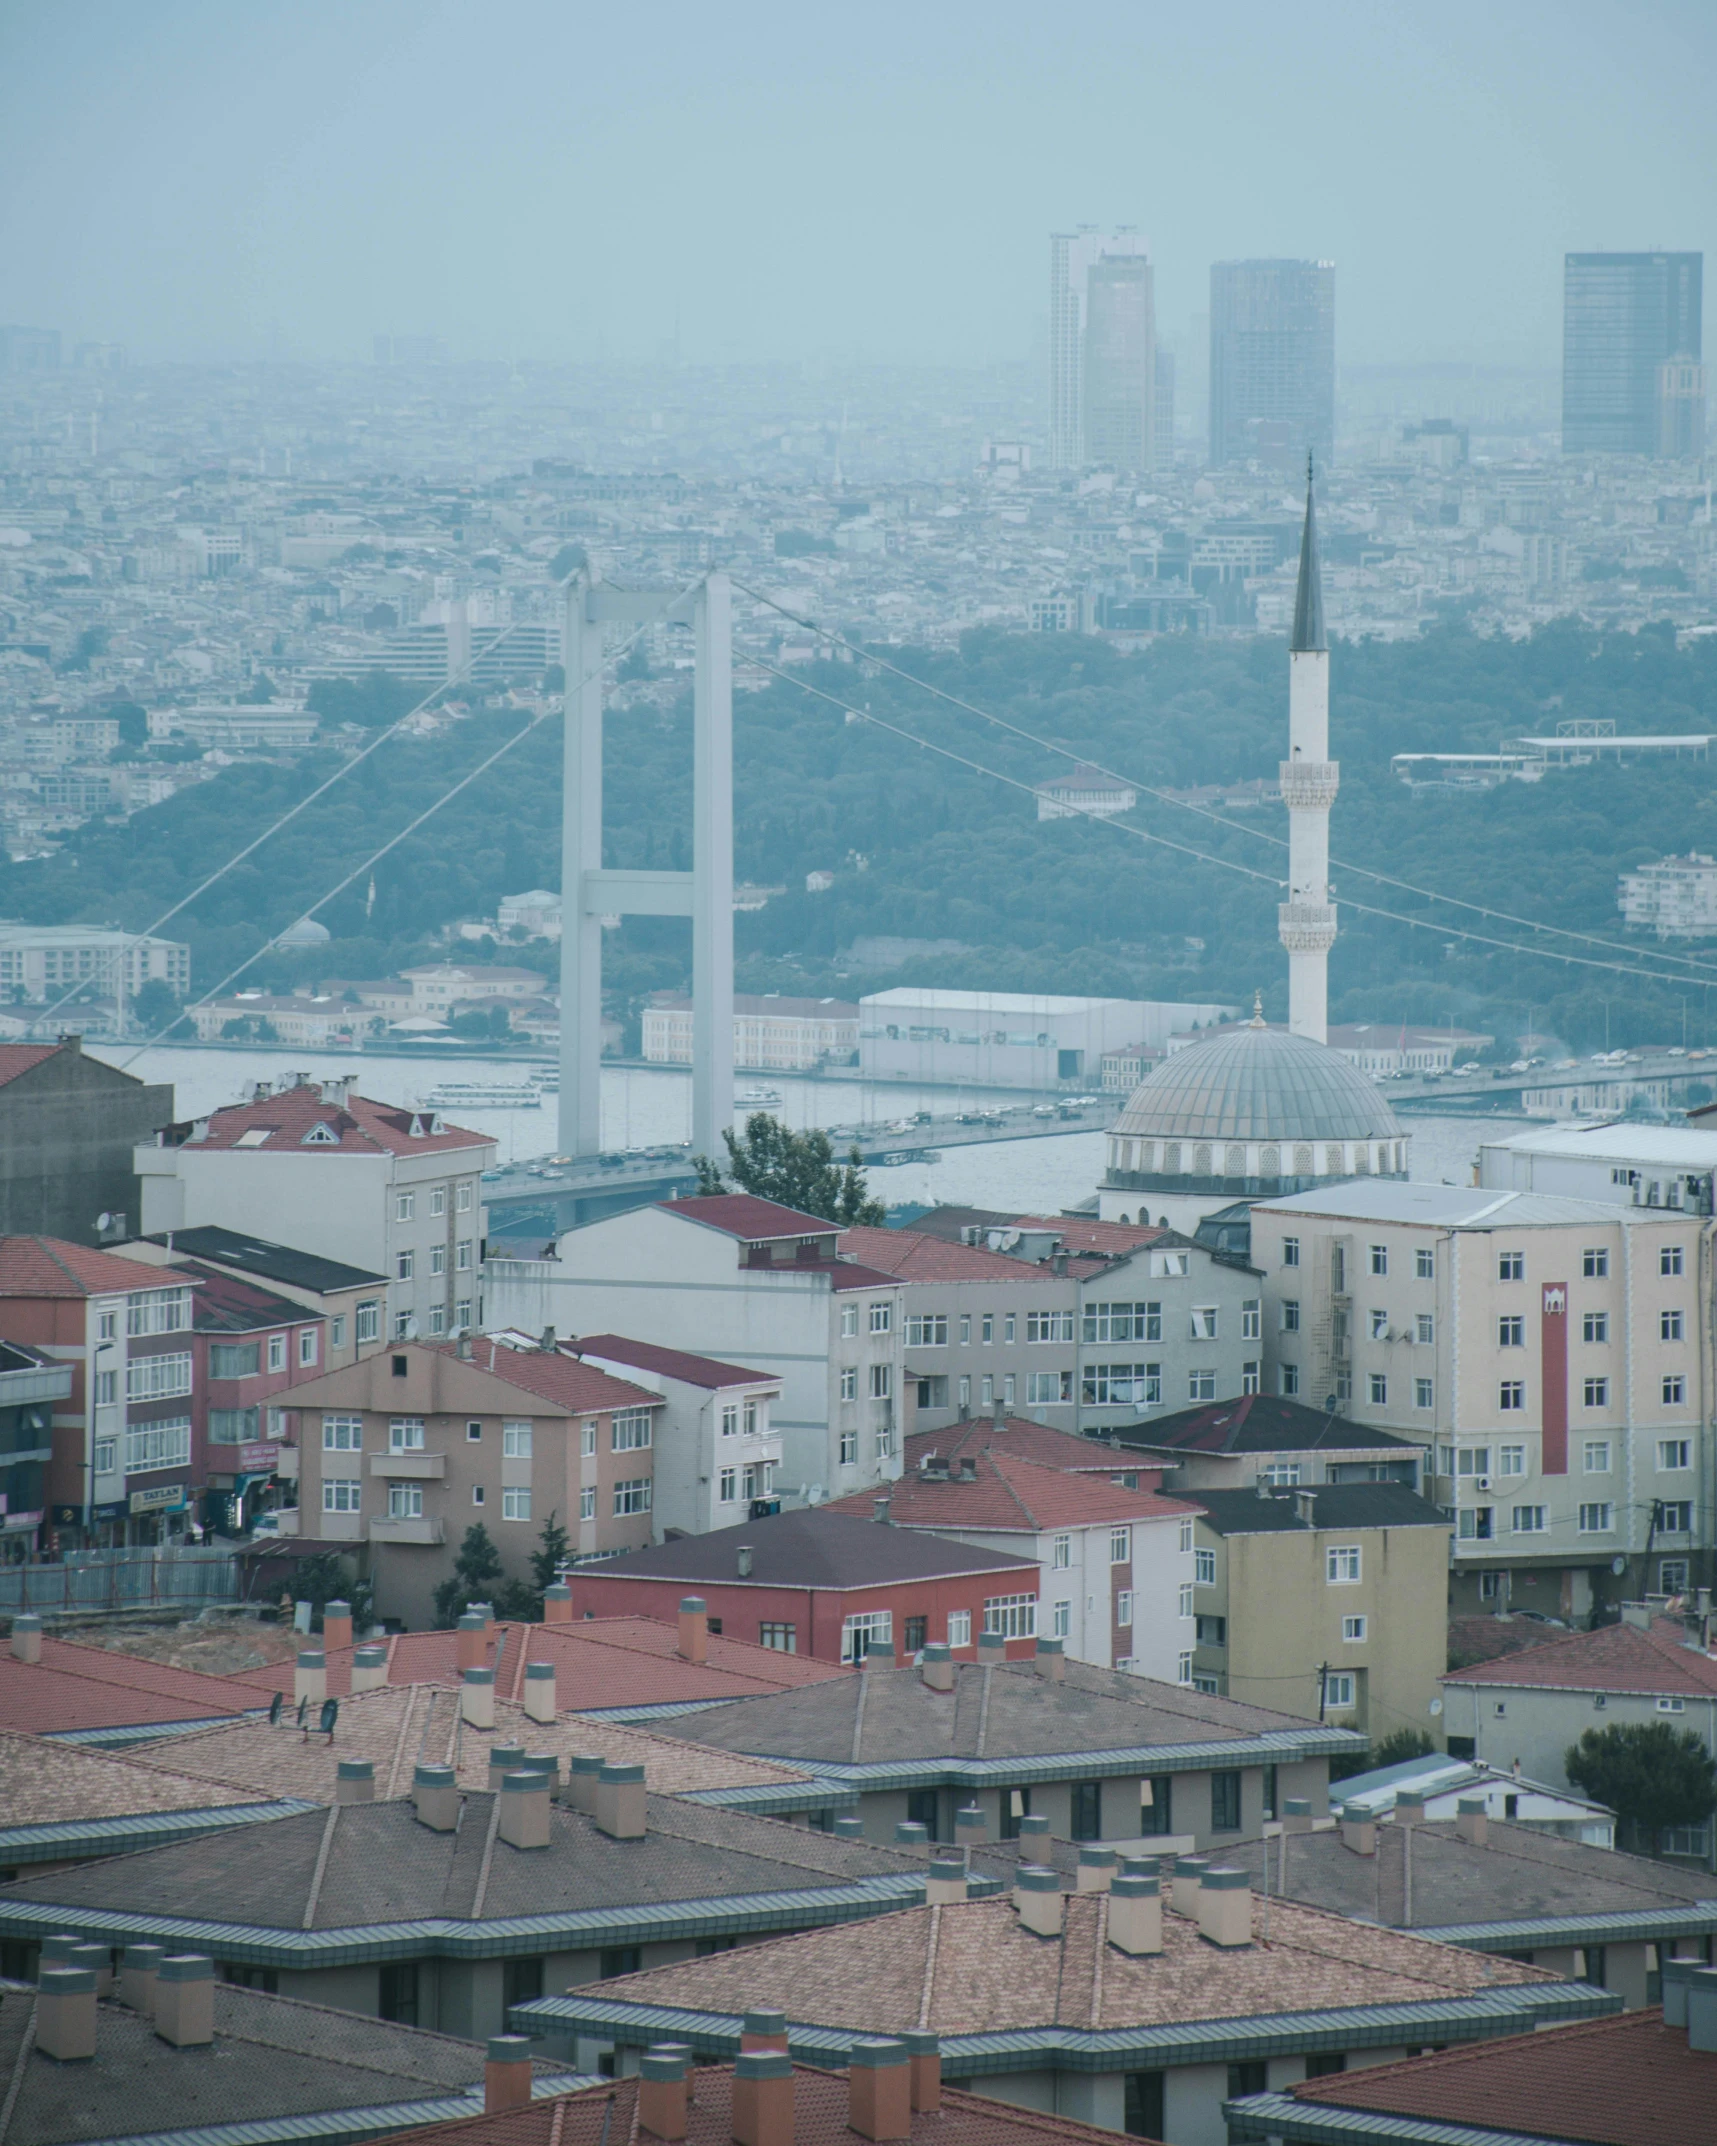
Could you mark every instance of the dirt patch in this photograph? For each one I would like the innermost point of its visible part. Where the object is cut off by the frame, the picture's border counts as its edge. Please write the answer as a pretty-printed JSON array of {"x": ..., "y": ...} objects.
[{"x": 216, "y": 1649}]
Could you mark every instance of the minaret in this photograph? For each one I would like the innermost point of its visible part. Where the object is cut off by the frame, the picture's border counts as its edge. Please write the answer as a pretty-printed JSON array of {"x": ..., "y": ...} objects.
[{"x": 1306, "y": 920}]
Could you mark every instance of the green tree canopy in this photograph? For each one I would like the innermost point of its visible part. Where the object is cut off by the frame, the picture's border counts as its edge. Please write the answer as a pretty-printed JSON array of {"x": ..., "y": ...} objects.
[
  {"x": 324, "y": 1579},
  {"x": 1394, "y": 1749},
  {"x": 1650, "y": 1775},
  {"x": 475, "y": 1577},
  {"x": 797, "y": 1169}
]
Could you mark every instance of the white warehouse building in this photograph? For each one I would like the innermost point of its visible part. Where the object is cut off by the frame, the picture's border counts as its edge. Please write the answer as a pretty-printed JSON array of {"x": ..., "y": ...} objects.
[{"x": 1010, "y": 1039}]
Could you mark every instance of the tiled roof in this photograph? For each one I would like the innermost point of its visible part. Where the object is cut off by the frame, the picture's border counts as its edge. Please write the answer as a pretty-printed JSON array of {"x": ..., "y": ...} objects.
[
  {"x": 741, "y": 1214},
  {"x": 359, "y": 1127},
  {"x": 911, "y": 1256},
  {"x": 50, "y": 1267},
  {"x": 16, "y": 1058},
  {"x": 1259, "y": 1423},
  {"x": 1080, "y": 1234},
  {"x": 609, "y": 2113},
  {"x": 74, "y": 1687},
  {"x": 1625, "y": 2081},
  {"x": 812, "y": 1547},
  {"x": 43, "y": 1784},
  {"x": 1020, "y": 1436},
  {"x": 226, "y": 1305},
  {"x": 1334, "y": 1505},
  {"x": 1008, "y": 1493},
  {"x": 670, "y": 1363},
  {"x": 1616, "y": 1658},
  {"x": 552, "y": 1377}
]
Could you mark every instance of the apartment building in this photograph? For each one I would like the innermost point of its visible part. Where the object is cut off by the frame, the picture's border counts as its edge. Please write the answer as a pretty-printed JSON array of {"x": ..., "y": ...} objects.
[
  {"x": 1263, "y": 1440},
  {"x": 1548, "y": 1355},
  {"x": 39, "y": 961},
  {"x": 371, "y": 1185},
  {"x": 1167, "y": 1326},
  {"x": 442, "y": 985},
  {"x": 403, "y": 1451},
  {"x": 747, "y": 1281},
  {"x": 249, "y": 1348},
  {"x": 771, "y": 1034},
  {"x": 68, "y": 1124},
  {"x": 31, "y": 1382}
]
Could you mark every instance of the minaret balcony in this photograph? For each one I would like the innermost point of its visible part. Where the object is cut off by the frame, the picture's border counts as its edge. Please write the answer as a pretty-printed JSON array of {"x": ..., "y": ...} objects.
[
  {"x": 1310, "y": 785},
  {"x": 1306, "y": 927}
]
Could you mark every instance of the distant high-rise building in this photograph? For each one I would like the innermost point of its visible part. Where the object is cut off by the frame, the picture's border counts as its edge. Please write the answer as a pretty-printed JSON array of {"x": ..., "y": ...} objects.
[
  {"x": 1272, "y": 360},
  {"x": 1072, "y": 255},
  {"x": 1632, "y": 383},
  {"x": 1164, "y": 397},
  {"x": 29, "y": 350},
  {"x": 1120, "y": 363}
]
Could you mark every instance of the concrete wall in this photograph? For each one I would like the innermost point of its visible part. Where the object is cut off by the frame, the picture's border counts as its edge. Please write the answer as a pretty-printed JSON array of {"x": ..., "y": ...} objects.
[
  {"x": 1536, "y": 1727},
  {"x": 68, "y": 1127}
]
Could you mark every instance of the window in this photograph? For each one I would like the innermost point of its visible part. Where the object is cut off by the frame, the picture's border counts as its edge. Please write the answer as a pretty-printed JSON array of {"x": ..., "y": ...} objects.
[
  {"x": 1675, "y": 1516},
  {"x": 631, "y": 1430},
  {"x": 1511, "y": 1460},
  {"x": 1290, "y": 1315},
  {"x": 1183, "y": 1669},
  {"x": 337, "y": 1331},
  {"x": 587, "y": 1502},
  {"x": 1010, "y": 1328},
  {"x": 438, "y": 1259},
  {"x": 1424, "y": 1393},
  {"x": 781, "y": 1638},
  {"x": 1048, "y": 1326},
  {"x": 1529, "y": 1520},
  {"x": 405, "y": 1434},
  {"x": 168, "y": 1311},
  {"x": 473, "y": 1432},
  {"x": 438, "y": 1200},
  {"x": 342, "y": 1497},
  {"x": 1674, "y": 1389},
  {"x": 277, "y": 1352},
  {"x": 1013, "y": 1616},
  {"x": 405, "y": 1266},
  {"x": 1595, "y": 1262},
  {"x": 1186, "y": 1609},
  {"x": 1669, "y": 1259},
  {"x": 619, "y": 1960},
  {"x": 1595, "y": 1326},
  {"x": 1511, "y": 1333},
  {"x": 1670, "y": 1703},
  {"x": 849, "y": 1382},
  {"x": 1425, "y": 1263},
  {"x": 1511, "y": 1394},
  {"x": 966, "y": 1329},
  {"x": 1123, "y": 1322},
  {"x": 1124, "y": 1606},
  {"x": 987, "y": 1329},
  {"x": 881, "y": 1381},
  {"x": 306, "y": 1347},
  {"x": 1201, "y": 1385},
  {"x": 1249, "y": 1376},
  {"x": 926, "y": 1330},
  {"x": 157, "y": 1378},
  {"x": 462, "y": 1199},
  {"x": 107, "y": 1326},
  {"x": 368, "y": 1322},
  {"x": 1281, "y": 1474},
  {"x": 858, "y": 1632},
  {"x": 1674, "y": 1453},
  {"x": 1424, "y": 1329},
  {"x": 1596, "y": 1459},
  {"x": 1289, "y": 1375},
  {"x": 1339, "y": 1686},
  {"x": 515, "y": 1502},
  {"x": 849, "y": 1448},
  {"x": 106, "y": 1455},
  {"x": 1669, "y": 1326},
  {"x": 1290, "y": 1251},
  {"x": 726, "y": 1482},
  {"x": 1168, "y": 1266},
  {"x": 632, "y": 1496},
  {"x": 516, "y": 1440},
  {"x": 1212, "y": 1632},
  {"x": 404, "y": 1206},
  {"x": 1120, "y": 1546},
  {"x": 1511, "y": 1266},
  {"x": 1142, "y": 2104},
  {"x": 1341, "y": 1564},
  {"x": 1061, "y": 1553},
  {"x": 730, "y": 1420},
  {"x": 157, "y": 1445},
  {"x": 986, "y": 1391},
  {"x": 1047, "y": 1389},
  {"x": 1061, "y": 1620},
  {"x": 405, "y": 1501},
  {"x": 1672, "y": 1576},
  {"x": 1597, "y": 1519},
  {"x": 1597, "y": 1394},
  {"x": 342, "y": 1434},
  {"x": 234, "y": 1359},
  {"x": 1251, "y": 1319},
  {"x": 233, "y": 1426},
  {"x": 959, "y": 1628},
  {"x": 1353, "y": 1630},
  {"x": 587, "y": 1440},
  {"x": 462, "y": 1253},
  {"x": 1379, "y": 1259},
  {"x": 1225, "y": 1801},
  {"x": 1085, "y": 1803},
  {"x": 1204, "y": 1567},
  {"x": 1203, "y": 1327},
  {"x": 1379, "y": 1386},
  {"x": 849, "y": 1320},
  {"x": 881, "y": 1318},
  {"x": 1475, "y": 1523},
  {"x": 1122, "y": 1385},
  {"x": 478, "y": 1494}
]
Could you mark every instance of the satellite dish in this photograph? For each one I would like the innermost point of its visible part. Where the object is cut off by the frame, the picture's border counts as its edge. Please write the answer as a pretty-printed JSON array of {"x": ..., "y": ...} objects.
[
  {"x": 274, "y": 1706},
  {"x": 1435, "y": 1708},
  {"x": 330, "y": 1714},
  {"x": 1618, "y": 1565},
  {"x": 104, "y": 1221}
]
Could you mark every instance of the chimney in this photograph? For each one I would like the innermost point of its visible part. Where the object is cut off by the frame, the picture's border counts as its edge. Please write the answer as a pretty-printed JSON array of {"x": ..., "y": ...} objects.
[
  {"x": 1001, "y": 1416},
  {"x": 1702, "y": 2010},
  {"x": 582, "y": 1770},
  {"x": 1306, "y": 1507},
  {"x": 1187, "y": 1883},
  {"x": 879, "y": 1511},
  {"x": 462, "y": 1345},
  {"x": 878, "y": 1654},
  {"x": 992, "y": 1648},
  {"x": 435, "y": 1791},
  {"x": 849, "y": 1827},
  {"x": 185, "y": 2000},
  {"x": 550, "y": 1342},
  {"x": 471, "y": 1641},
  {"x": 763, "y": 2030},
  {"x": 620, "y": 1802},
  {"x": 1358, "y": 1829},
  {"x": 946, "y": 1885},
  {"x": 1472, "y": 1821},
  {"x": 504, "y": 1759},
  {"x": 971, "y": 1828},
  {"x": 485, "y": 1610},
  {"x": 310, "y": 1677},
  {"x": 99, "y": 1960},
  {"x": 924, "y": 2060},
  {"x": 369, "y": 1669},
  {"x": 912, "y": 1836},
  {"x": 744, "y": 1560},
  {"x": 662, "y": 2092},
  {"x": 1676, "y": 1976},
  {"x": 1052, "y": 1659},
  {"x": 694, "y": 1621},
  {"x": 557, "y": 1603},
  {"x": 1141, "y": 1866},
  {"x": 137, "y": 1972},
  {"x": 879, "y": 2090},
  {"x": 477, "y": 1698},
  {"x": 763, "y": 2098},
  {"x": 1136, "y": 1915},
  {"x": 1037, "y": 1896},
  {"x": 26, "y": 1639},
  {"x": 1058, "y": 1262},
  {"x": 507, "y": 2073},
  {"x": 539, "y": 1691},
  {"x": 1296, "y": 1814},
  {"x": 1096, "y": 1868},
  {"x": 336, "y": 1626},
  {"x": 1225, "y": 1908},
  {"x": 524, "y": 1809},
  {"x": 1032, "y": 1829},
  {"x": 65, "y": 2014},
  {"x": 355, "y": 1781},
  {"x": 1394, "y": 1876},
  {"x": 1409, "y": 1807},
  {"x": 937, "y": 1666}
]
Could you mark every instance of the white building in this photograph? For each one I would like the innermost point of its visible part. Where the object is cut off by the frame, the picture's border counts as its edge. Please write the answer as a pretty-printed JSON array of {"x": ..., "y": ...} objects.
[
  {"x": 39, "y": 961},
  {"x": 237, "y": 727},
  {"x": 1384, "y": 1047},
  {"x": 440, "y": 986},
  {"x": 1085, "y": 793},
  {"x": 1630, "y": 1165},
  {"x": 1008, "y": 1039},
  {"x": 1676, "y": 898},
  {"x": 771, "y": 1034},
  {"x": 313, "y": 1023},
  {"x": 536, "y": 914}
]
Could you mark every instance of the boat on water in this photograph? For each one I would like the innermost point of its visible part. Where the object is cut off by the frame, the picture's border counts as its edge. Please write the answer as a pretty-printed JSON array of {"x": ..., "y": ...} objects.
[
  {"x": 757, "y": 1098},
  {"x": 480, "y": 1095}
]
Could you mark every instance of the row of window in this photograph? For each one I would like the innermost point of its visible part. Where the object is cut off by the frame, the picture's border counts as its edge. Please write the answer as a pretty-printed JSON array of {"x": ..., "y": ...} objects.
[
  {"x": 464, "y": 1259},
  {"x": 405, "y": 1500},
  {"x": 1510, "y": 1393},
  {"x": 881, "y": 1318},
  {"x": 757, "y": 1481},
  {"x": 884, "y": 1436},
  {"x": 405, "y": 1203},
  {"x": 1510, "y": 1266},
  {"x": 1673, "y": 1455},
  {"x": 1477, "y": 1523},
  {"x": 734, "y": 1414},
  {"x": 243, "y": 1359},
  {"x": 629, "y": 1432}
]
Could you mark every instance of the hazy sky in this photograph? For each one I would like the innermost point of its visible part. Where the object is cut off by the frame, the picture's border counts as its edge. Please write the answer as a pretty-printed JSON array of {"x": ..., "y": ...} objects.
[{"x": 525, "y": 177}]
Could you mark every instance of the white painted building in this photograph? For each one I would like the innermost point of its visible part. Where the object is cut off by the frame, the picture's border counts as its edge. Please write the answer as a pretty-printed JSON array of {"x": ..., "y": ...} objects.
[
  {"x": 536, "y": 914},
  {"x": 1084, "y": 793},
  {"x": 1009, "y": 1039},
  {"x": 1676, "y": 898},
  {"x": 39, "y": 961},
  {"x": 1671, "y": 1166},
  {"x": 771, "y": 1034}
]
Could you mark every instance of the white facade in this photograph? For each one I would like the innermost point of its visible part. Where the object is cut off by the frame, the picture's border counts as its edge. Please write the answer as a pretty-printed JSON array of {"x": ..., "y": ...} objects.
[
  {"x": 771, "y": 1034},
  {"x": 1676, "y": 898},
  {"x": 1670, "y": 1166},
  {"x": 1086, "y": 793},
  {"x": 272, "y": 726},
  {"x": 717, "y": 1445},
  {"x": 41, "y": 960},
  {"x": 536, "y": 914},
  {"x": 1072, "y": 255},
  {"x": 1306, "y": 920},
  {"x": 1007, "y": 1038}
]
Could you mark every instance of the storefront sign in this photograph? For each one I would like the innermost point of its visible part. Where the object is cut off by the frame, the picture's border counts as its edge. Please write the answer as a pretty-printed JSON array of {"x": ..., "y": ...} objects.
[
  {"x": 259, "y": 1459},
  {"x": 13, "y": 1522},
  {"x": 159, "y": 1498},
  {"x": 114, "y": 1509}
]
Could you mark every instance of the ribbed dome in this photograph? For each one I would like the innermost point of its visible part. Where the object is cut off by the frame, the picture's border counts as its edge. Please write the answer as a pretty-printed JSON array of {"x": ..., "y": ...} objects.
[{"x": 1256, "y": 1083}]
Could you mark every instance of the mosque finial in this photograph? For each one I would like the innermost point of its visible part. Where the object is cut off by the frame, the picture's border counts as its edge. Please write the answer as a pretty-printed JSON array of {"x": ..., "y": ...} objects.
[{"x": 1258, "y": 1020}]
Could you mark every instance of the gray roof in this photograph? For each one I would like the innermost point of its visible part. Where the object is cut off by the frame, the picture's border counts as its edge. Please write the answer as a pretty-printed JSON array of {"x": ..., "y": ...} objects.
[
  {"x": 1257, "y": 1083},
  {"x": 1379, "y": 1199},
  {"x": 275, "y": 2067},
  {"x": 811, "y": 1547},
  {"x": 999, "y": 1723},
  {"x": 1308, "y": 633},
  {"x": 1334, "y": 1505},
  {"x": 1257, "y": 1423},
  {"x": 275, "y": 1262}
]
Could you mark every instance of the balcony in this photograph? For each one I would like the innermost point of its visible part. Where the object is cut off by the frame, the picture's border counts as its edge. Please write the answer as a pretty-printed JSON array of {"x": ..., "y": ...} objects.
[
  {"x": 426, "y": 1529},
  {"x": 410, "y": 1467},
  {"x": 286, "y": 1464}
]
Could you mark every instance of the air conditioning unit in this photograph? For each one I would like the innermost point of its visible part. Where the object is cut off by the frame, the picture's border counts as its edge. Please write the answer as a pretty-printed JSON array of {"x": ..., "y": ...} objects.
[{"x": 1483, "y": 1482}]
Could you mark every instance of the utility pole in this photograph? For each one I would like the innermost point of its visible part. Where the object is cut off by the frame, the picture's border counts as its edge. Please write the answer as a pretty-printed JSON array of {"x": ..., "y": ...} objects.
[{"x": 1323, "y": 1686}]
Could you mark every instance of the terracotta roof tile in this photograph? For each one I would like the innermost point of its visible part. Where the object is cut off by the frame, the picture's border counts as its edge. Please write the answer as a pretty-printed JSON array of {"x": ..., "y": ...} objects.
[
  {"x": 670, "y": 1363},
  {"x": 741, "y": 1214},
  {"x": 50, "y": 1267},
  {"x": 1009, "y": 1493},
  {"x": 16, "y": 1058},
  {"x": 74, "y": 1687},
  {"x": 1039, "y": 1442},
  {"x": 359, "y": 1127},
  {"x": 45, "y": 1784},
  {"x": 552, "y": 1376},
  {"x": 1616, "y": 1658},
  {"x": 913, "y": 1257}
]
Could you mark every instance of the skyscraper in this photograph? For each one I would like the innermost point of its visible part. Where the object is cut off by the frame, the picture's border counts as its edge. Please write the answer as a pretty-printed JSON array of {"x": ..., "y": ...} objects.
[
  {"x": 1272, "y": 359},
  {"x": 1306, "y": 920},
  {"x": 1632, "y": 383},
  {"x": 1120, "y": 363},
  {"x": 1071, "y": 257}
]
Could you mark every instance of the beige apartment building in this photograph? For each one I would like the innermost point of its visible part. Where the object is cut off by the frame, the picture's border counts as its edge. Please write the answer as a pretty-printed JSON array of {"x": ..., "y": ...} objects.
[
  {"x": 1551, "y": 1355},
  {"x": 771, "y": 1034}
]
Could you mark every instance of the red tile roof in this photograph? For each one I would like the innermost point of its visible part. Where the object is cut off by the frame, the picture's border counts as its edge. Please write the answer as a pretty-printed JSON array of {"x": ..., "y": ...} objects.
[
  {"x": 1617, "y": 1658},
  {"x": 50, "y": 1267},
  {"x": 740, "y": 1214},
  {"x": 913, "y": 1257},
  {"x": 1009, "y": 1494},
  {"x": 360, "y": 1127},
  {"x": 1623, "y": 2081},
  {"x": 1079, "y": 1234},
  {"x": 75, "y": 1687},
  {"x": 1039, "y": 1442},
  {"x": 16, "y": 1058},
  {"x": 550, "y": 1376},
  {"x": 670, "y": 1363}
]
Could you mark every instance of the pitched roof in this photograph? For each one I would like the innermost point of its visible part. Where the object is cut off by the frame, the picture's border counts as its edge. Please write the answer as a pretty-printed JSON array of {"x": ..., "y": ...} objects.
[
  {"x": 670, "y": 1363},
  {"x": 911, "y": 1256},
  {"x": 1259, "y": 1423},
  {"x": 226, "y": 1305},
  {"x": 1079, "y": 1233},
  {"x": 1616, "y": 1658},
  {"x": 16, "y": 1058},
  {"x": 1019, "y": 1435},
  {"x": 742, "y": 1214},
  {"x": 359, "y": 1126},
  {"x": 1334, "y": 1505},
  {"x": 1014, "y": 1495},
  {"x": 551, "y": 1376},
  {"x": 274, "y": 1262},
  {"x": 76, "y": 1688},
  {"x": 47, "y": 1784},
  {"x": 812, "y": 1547},
  {"x": 51, "y": 1267}
]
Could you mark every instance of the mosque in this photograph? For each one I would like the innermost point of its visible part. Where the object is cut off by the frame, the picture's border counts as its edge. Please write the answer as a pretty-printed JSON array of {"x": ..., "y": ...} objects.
[{"x": 1251, "y": 1113}]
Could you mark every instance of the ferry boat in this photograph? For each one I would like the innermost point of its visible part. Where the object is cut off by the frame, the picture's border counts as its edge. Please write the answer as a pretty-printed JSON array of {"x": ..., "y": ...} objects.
[
  {"x": 757, "y": 1098},
  {"x": 480, "y": 1095}
]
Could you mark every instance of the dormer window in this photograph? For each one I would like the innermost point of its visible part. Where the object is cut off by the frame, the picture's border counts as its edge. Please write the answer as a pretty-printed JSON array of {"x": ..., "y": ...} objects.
[{"x": 321, "y": 1136}]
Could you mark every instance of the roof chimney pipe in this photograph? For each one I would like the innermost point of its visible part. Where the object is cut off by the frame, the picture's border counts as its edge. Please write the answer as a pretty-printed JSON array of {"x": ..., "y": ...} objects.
[
  {"x": 26, "y": 1639},
  {"x": 879, "y": 2090},
  {"x": 924, "y": 2057},
  {"x": 582, "y": 1770},
  {"x": 1358, "y": 1829},
  {"x": 310, "y": 1677},
  {"x": 336, "y": 1626},
  {"x": 557, "y": 1603},
  {"x": 539, "y": 1691},
  {"x": 1052, "y": 1659},
  {"x": 1225, "y": 1908},
  {"x": 1472, "y": 1820},
  {"x": 477, "y": 1698},
  {"x": 369, "y": 1669},
  {"x": 185, "y": 2000},
  {"x": 763, "y": 2030},
  {"x": 1136, "y": 1916},
  {"x": 763, "y": 2098},
  {"x": 662, "y": 2091},
  {"x": 946, "y": 1884},
  {"x": 879, "y": 1511},
  {"x": 620, "y": 1805},
  {"x": 524, "y": 1808},
  {"x": 137, "y": 1972},
  {"x": 435, "y": 1791},
  {"x": 1037, "y": 1896},
  {"x": 355, "y": 1781},
  {"x": 507, "y": 2073},
  {"x": 936, "y": 1666},
  {"x": 693, "y": 1644},
  {"x": 65, "y": 2013}
]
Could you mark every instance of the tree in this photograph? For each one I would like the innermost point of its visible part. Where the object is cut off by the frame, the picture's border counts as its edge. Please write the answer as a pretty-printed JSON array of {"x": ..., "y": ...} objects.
[
  {"x": 553, "y": 1546},
  {"x": 797, "y": 1170},
  {"x": 324, "y": 1579},
  {"x": 1397, "y": 1746},
  {"x": 476, "y": 1577},
  {"x": 1649, "y": 1774},
  {"x": 155, "y": 1006}
]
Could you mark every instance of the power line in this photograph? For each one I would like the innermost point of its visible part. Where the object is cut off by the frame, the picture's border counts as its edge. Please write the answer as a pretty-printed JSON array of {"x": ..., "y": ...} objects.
[{"x": 1256, "y": 834}]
